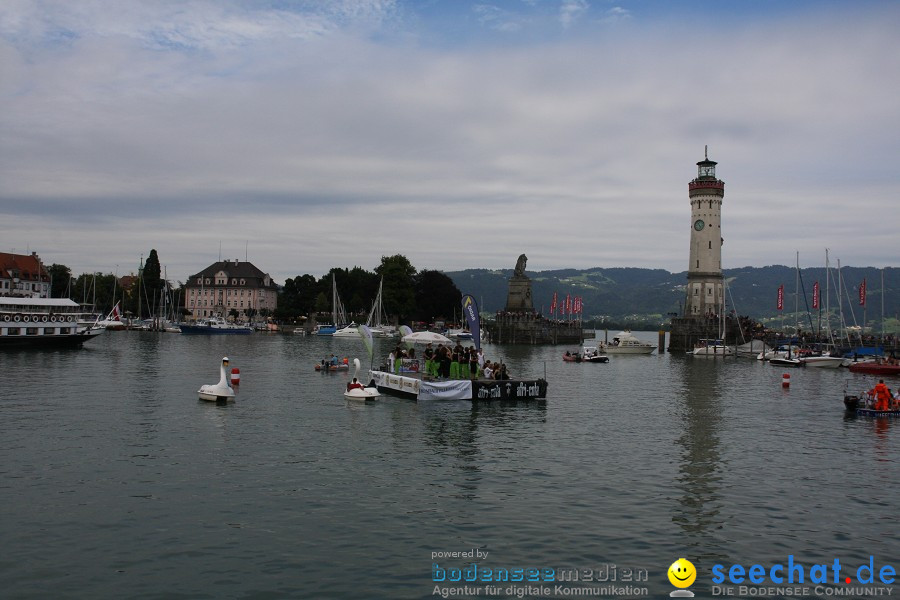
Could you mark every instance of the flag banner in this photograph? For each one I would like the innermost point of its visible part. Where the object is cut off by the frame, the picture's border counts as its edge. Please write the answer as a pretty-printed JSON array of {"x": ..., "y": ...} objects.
[
  {"x": 816, "y": 295},
  {"x": 568, "y": 309},
  {"x": 862, "y": 293},
  {"x": 473, "y": 320},
  {"x": 366, "y": 335},
  {"x": 780, "y": 304},
  {"x": 553, "y": 305}
]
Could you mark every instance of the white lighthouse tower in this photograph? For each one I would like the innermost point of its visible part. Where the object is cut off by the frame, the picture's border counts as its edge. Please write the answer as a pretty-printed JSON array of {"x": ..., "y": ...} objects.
[{"x": 705, "y": 290}]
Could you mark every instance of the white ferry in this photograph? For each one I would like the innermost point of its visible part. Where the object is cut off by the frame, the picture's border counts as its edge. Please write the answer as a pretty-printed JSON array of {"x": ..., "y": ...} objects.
[{"x": 35, "y": 322}]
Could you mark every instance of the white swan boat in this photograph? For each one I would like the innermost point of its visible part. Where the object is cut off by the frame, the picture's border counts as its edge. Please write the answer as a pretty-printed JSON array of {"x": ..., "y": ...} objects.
[
  {"x": 218, "y": 392},
  {"x": 359, "y": 391}
]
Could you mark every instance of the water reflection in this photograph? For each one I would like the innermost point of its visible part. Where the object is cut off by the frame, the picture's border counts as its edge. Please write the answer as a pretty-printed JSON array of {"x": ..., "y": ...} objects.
[{"x": 698, "y": 511}]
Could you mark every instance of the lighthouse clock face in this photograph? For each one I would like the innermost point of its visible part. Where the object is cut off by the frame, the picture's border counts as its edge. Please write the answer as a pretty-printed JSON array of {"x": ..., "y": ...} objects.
[{"x": 698, "y": 224}]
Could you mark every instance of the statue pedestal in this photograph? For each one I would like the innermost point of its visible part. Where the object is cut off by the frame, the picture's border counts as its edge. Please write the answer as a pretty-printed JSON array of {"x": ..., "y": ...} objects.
[{"x": 519, "y": 295}]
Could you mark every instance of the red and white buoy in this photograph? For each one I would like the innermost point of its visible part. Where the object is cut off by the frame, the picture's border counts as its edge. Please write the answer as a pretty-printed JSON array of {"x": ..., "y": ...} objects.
[
  {"x": 786, "y": 380},
  {"x": 235, "y": 376}
]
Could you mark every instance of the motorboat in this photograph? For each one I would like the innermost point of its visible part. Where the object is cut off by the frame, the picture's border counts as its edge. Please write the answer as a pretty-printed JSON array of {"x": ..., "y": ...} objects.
[
  {"x": 351, "y": 330},
  {"x": 786, "y": 361},
  {"x": 215, "y": 326},
  {"x": 863, "y": 405},
  {"x": 592, "y": 354},
  {"x": 823, "y": 361},
  {"x": 626, "y": 343},
  {"x": 875, "y": 368},
  {"x": 333, "y": 365}
]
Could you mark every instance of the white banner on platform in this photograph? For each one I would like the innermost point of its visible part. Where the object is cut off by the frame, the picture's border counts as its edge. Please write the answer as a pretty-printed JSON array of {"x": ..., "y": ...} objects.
[{"x": 446, "y": 390}]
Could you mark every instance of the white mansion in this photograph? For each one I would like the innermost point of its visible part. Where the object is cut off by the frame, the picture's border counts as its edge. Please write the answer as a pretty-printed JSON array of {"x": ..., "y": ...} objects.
[{"x": 230, "y": 285}]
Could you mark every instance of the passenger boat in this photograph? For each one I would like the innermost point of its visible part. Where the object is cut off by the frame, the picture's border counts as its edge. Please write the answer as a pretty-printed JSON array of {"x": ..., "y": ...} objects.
[
  {"x": 625, "y": 343},
  {"x": 415, "y": 386},
  {"x": 215, "y": 326},
  {"x": 40, "y": 322}
]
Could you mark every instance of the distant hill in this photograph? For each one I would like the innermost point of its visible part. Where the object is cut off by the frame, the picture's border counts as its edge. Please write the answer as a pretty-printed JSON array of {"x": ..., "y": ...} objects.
[{"x": 620, "y": 295}]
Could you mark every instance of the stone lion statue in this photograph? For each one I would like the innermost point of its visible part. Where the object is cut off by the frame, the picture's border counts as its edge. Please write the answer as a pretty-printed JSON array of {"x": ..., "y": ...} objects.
[{"x": 520, "y": 265}]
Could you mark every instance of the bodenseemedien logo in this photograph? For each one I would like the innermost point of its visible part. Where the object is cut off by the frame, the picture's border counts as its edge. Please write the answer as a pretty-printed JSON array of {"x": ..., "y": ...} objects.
[{"x": 682, "y": 574}]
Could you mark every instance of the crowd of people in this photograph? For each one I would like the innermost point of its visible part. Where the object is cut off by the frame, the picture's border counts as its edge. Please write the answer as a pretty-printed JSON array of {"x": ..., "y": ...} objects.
[{"x": 450, "y": 362}]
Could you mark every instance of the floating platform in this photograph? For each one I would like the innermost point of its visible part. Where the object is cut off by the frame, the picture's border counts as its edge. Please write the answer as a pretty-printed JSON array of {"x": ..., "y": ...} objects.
[{"x": 417, "y": 388}]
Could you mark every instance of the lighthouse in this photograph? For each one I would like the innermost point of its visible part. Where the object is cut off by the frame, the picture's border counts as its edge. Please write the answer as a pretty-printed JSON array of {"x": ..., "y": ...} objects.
[
  {"x": 704, "y": 298},
  {"x": 704, "y": 293}
]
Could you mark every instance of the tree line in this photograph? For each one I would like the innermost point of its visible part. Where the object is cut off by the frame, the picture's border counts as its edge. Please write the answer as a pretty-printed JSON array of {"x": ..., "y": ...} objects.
[{"x": 407, "y": 294}]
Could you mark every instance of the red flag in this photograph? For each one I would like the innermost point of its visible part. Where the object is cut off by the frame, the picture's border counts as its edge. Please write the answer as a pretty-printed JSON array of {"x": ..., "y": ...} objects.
[
  {"x": 816, "y": 295},
  {"x": 862, "y": 293},
  {"x": 553, "y": 304},
  {"x": 568, "y": 309},
  {"x": 780, "y": 304},
  {"x": 577, "y": 305},
  {"x": 115, "y": 313}
]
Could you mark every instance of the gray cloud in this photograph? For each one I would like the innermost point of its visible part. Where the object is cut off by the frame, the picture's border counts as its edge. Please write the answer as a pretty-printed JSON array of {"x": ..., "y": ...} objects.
[{"x": 178, "y": 126}]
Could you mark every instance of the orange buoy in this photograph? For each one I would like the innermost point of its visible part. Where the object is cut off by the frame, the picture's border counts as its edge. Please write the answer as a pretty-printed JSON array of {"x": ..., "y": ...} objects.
[
  {"x": 786, "y": 380},
  {"x": 346, "y": 360},
  {"x": 235, "y": 376}
]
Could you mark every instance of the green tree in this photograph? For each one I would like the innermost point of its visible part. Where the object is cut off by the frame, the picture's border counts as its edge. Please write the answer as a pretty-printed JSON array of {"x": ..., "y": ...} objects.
[
  {"x": 152, "y": 283},
  {"x": 60, "y": 279},
  {"x": 436, "y": 296},
  {"x": 398, "y": 295}
]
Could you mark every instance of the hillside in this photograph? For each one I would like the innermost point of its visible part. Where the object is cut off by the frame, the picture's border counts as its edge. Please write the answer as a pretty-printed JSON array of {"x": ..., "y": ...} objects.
[{"x": 622, "y": 295}]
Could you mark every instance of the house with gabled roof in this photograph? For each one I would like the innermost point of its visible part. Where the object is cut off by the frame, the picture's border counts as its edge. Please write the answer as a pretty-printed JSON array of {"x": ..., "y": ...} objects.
[{"x": 23, "y": 275}]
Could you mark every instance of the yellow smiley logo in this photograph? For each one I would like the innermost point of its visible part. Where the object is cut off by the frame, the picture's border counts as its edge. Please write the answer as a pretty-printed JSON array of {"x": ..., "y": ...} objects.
[{"x": 682, "y": 573}]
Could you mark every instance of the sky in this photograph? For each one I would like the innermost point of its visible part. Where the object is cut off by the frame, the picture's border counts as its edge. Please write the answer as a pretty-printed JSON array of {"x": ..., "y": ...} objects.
[{"x": 306, "y": 135}]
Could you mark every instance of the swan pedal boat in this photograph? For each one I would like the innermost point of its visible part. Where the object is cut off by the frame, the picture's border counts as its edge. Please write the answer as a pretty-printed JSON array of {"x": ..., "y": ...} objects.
[
  {"x": 219, "y": 392},
  {"x": 361, "y": 393}
]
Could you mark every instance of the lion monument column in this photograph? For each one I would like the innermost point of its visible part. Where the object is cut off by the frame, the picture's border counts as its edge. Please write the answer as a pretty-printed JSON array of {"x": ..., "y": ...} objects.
[{"x": 519, "y": 296}]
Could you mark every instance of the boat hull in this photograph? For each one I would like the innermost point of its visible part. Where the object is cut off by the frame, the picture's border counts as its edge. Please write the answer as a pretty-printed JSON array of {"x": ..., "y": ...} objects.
[
  {"x": 872, "y": 368},
  {"x": 71, "y": 340},
  {"x": 207, "y": 330},
  {"x": 362, "y": 394},
  {"x": 332, "y": 368}
]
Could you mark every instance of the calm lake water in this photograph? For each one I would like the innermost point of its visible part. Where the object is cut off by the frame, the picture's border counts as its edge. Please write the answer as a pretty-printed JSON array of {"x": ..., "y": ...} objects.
[{"x": 118, "y": 483}]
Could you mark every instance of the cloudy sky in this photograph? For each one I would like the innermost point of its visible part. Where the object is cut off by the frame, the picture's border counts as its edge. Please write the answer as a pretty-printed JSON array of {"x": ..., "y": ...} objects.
[{"x": 309, "y": 134}]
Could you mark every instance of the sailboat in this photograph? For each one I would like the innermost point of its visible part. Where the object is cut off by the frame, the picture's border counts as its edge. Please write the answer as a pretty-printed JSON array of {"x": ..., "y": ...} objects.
[
  {"x": 377, "y": 320},
  {"x": 338, "y": 316},
  {"x": 715, "y": 347}
]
